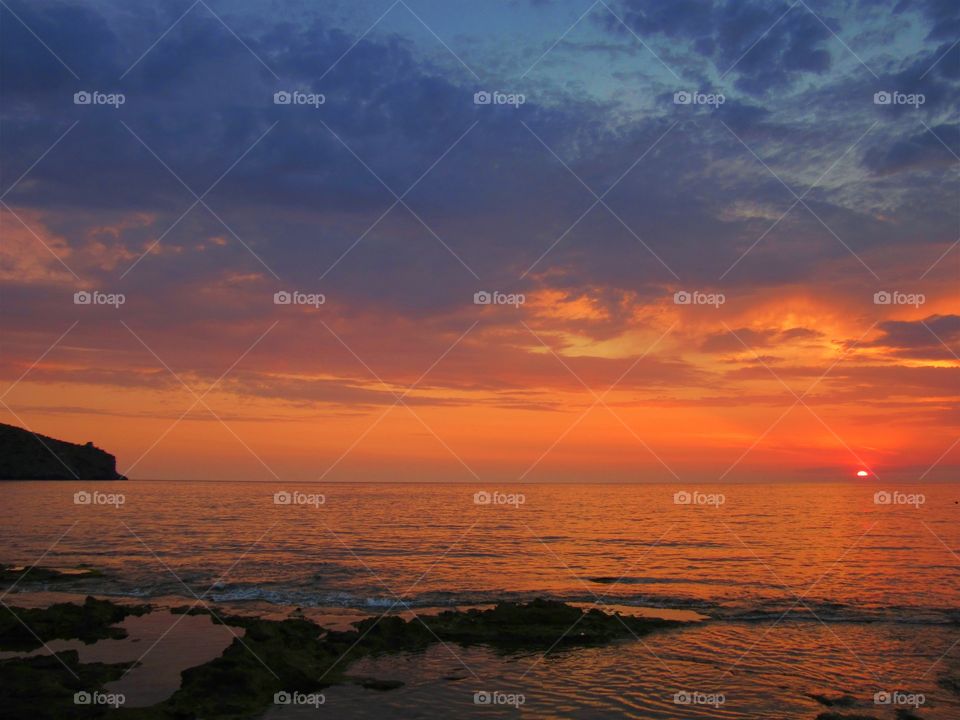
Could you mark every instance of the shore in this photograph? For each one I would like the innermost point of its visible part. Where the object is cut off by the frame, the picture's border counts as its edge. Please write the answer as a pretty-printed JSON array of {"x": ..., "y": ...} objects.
[
  {"x": 259, "y": 662},
  {"x": 170, "y": 658}
]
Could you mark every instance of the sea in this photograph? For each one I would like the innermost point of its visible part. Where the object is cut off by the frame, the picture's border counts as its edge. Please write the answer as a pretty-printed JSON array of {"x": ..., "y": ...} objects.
[{"x": 803, "y": 598}]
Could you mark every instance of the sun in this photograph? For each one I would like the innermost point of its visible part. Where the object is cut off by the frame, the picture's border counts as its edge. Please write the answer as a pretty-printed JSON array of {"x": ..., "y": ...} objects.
[{"x": 862, "y": 473}]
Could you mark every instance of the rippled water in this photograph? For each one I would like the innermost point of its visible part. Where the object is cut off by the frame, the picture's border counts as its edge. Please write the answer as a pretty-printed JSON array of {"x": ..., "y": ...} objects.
[{"x": 811, "y": 588}]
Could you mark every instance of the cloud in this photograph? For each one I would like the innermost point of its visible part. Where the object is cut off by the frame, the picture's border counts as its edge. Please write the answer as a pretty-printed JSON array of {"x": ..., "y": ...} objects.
[
  {"x": 936, "y": 337},
  {"x": 927, "y": 150}
]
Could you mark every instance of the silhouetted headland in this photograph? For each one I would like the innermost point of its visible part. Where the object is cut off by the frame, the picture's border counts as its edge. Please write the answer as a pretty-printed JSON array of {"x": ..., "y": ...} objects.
[{"x": 25, "y": 455}]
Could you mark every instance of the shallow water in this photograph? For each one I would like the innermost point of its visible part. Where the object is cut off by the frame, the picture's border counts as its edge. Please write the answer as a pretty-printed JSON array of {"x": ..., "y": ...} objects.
[{"x": 811, "y": 588}]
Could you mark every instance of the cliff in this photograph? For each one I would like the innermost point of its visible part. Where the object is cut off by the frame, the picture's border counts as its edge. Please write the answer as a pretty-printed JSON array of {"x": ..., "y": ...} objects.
[{"x": 24, "y": 457}]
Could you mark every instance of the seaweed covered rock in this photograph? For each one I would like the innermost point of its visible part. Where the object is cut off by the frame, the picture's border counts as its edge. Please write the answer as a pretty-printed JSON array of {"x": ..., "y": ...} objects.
[
  {"x": 297, "y": 656},
  {"x": 539, "y": 623},
  {"x": 25, "y": 628},
  {"x": 44, "y": 687},
  {"x": 20, "y": 574}
]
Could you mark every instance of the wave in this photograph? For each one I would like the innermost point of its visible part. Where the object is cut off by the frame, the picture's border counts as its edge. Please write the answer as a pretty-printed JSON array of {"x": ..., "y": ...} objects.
[{"x": 756, "y": 611}]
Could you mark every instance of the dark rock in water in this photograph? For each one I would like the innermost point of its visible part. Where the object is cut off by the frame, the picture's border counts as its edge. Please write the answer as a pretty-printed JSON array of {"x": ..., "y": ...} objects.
[
  {"x": 28, "y": 456},
  {"x": 844, "y": 701},
  {"x": 374, "y": 684},
  {"x": 539, "y": 623},
  {"x": 10, "y": 574},
  {"x": 905, "y": 714},
  {"x": 950, "y": 682},
  {"x": 46, "y": 687},
  {"x": 28, "y": 628},
  {"x": 296, "y": 655}
]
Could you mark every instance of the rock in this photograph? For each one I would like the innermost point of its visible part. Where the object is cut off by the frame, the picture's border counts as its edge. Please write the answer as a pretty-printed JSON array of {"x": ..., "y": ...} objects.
[
  {"x": 43, "y": 687},
  {"x": 844, "y": 701},
  {"x": 25, "y": 628},
  {"x": 27, "y": 456},
  {"x": 10, "y": 574},
  {"x": 296, "y": 655},
  {"x": 375, "y": 684}
]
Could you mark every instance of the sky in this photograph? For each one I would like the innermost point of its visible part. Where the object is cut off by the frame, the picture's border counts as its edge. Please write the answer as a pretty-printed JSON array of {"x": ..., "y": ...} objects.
[{"x": 719, "y": 239}]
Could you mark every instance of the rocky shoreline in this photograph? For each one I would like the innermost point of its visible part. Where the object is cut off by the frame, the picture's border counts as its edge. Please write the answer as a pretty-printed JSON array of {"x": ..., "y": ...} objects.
[{"x": 272, "y": 657}]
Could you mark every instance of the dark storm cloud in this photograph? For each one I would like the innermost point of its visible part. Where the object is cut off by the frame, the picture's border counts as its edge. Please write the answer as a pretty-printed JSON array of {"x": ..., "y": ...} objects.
[{"x": 934, "y": 337}]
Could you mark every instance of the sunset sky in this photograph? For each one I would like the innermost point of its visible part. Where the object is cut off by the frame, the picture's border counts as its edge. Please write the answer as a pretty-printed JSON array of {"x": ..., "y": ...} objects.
[{"x": 798, "y": 200}]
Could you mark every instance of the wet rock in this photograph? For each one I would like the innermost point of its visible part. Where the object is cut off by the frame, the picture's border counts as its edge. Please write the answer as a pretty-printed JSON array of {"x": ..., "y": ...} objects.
[
  {"x": 843, "y": 701},
  {"x": 25, "y": 628},
  {"x": 296, "y": 655},
  {"x": 43, "y": 687},
  {"x": 20, "y": 574},
  {"x": 375, "y": 684}
]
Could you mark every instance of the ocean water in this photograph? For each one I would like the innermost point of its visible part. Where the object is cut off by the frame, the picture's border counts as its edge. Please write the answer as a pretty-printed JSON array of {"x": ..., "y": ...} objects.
[{"x": 807, "y": 589}]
